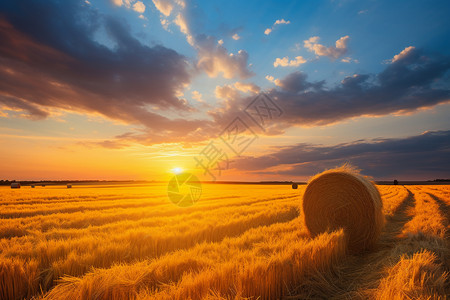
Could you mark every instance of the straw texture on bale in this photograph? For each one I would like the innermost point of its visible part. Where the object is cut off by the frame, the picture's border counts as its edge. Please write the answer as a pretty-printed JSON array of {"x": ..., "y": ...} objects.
[{"x": 342, "y": 198}]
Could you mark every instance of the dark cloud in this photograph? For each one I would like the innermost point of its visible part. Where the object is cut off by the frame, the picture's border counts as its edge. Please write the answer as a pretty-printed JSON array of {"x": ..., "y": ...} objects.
[
  {"x": 50, "y": 57},
  {"x": 296, "y": 82},
  {"x": 426, "y": 156},
  {"x": 405, "y": 85},
  {"x": 33, "y": 111},
  {"x": 414, "y": 80}
]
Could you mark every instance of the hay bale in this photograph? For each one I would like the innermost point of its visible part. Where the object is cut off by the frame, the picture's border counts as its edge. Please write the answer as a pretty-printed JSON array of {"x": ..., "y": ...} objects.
[
  {"x": 342, "y": 198},
  {"x": 294, "y": 186},
  {"x": 69, "y": 186}
]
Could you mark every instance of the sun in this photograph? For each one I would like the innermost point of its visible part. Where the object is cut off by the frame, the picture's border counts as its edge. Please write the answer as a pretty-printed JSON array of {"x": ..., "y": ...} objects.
[{"x": 177, "y": 170}]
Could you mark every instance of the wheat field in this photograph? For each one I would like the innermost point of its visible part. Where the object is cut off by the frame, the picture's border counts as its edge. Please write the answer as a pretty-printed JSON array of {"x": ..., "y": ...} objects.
[{"x": 237, "y": 242}]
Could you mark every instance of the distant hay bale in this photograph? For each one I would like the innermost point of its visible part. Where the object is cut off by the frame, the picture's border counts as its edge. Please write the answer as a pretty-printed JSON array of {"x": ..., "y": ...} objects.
[
  {"x": 32, "y": 186},
  {"x": 15, "y": 185},
  {"x": 294, "y": 186},
  {"x": 342, "y": 198},
  {"x": 69, "y": 186}
]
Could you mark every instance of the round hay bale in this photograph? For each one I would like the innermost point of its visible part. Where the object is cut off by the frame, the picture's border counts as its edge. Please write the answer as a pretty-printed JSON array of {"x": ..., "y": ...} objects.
[
  {"x": 342, "y": 198},
  {"x": 294, "y": 186}
]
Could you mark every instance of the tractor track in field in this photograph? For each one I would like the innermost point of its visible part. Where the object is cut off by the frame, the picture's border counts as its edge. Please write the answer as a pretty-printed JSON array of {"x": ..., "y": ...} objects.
[{"x": 361, "y": 272}]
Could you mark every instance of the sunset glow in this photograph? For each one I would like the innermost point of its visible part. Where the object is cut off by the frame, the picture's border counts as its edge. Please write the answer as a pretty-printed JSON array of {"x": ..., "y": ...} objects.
[
  {"x": 129, "y": 90},
  {"x": 224, "y": 150}
]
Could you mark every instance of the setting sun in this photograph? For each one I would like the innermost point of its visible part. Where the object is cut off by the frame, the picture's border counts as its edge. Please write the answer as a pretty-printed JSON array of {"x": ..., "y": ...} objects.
[{"x": 177, "y": 170}]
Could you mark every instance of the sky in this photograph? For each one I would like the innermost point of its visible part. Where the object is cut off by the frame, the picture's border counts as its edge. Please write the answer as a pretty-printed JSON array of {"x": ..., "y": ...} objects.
[{"x": 226, "y": 90}]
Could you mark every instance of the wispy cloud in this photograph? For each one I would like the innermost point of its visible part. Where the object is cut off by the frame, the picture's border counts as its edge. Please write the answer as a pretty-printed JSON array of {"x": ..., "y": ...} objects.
[{"x": 277, "y": 22}]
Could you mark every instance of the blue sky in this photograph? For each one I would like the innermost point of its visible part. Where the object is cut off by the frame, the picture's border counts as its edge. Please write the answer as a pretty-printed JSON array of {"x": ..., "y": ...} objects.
[{"x": 132, "y": 76}]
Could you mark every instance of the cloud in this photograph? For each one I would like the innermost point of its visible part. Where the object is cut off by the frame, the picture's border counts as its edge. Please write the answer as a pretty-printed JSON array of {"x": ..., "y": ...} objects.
[
  {"x": 404, "y": 54},
  {"x": 126, "y": 3},
  {"x": 117, "y": 2},
  {"x": 165, "y": 24},
  {"x": 28, "y": 110},
  {"x": 296, "y": 82},
  {"x": 231, "y": 96},
  {"x": 139, "y": 7},
  {"x": 196, "y": 95},
  {"x": 214, "y": 59},
  {"x": 42, "y": 69},
  {"x": 247, "y": 87},
  {"x": 282, "y": 21},
  {"x": 276, "y": 81},
  {"x": 227, "y": 92},
  {"x": 164, "y": 6},
  {"x": 416, "y": 81},
  {"x": 180, "y": 20},
  {"x": 277, "y": 22},
  {"x": 349, "y": 60},
  {"x": 425, "y": 156},
  {"x": 109, "y": 144},
  {"x": 312, "y": 44},
  {"x": 236, "y": 37},
  {"x": 285, "y": 62}
]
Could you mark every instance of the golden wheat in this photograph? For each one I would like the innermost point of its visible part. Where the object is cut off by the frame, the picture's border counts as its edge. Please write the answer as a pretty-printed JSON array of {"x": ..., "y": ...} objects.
[{"x": 237, "y": 242}]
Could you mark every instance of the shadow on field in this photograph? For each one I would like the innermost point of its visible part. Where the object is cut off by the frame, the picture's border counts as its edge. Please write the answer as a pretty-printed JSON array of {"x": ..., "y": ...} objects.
[{"x": 444, "y": 208}]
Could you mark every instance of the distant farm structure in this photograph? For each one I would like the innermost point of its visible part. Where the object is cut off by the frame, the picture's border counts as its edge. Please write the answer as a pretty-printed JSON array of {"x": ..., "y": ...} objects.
[{"x": 15, "y": 185}]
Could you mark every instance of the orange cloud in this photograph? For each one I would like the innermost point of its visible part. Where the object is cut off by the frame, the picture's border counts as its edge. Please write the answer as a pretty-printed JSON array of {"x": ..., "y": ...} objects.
[{"x": 312, "y": 44}]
